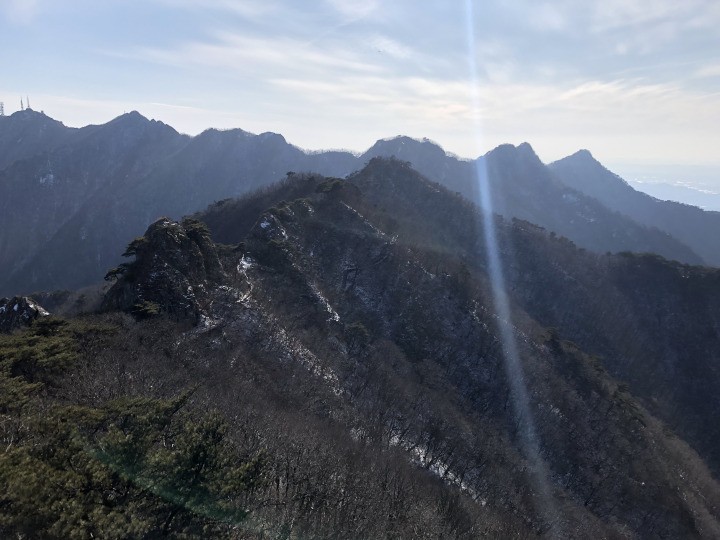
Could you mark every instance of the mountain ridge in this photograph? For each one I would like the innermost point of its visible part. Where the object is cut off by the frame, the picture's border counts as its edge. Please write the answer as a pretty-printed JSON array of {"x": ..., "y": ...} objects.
[
  {"x": 328, "y": 259},
  {"x": 136, "y": 170},
  {"x": 688, "y": 224},
  {"x": 325, "y": 357}
]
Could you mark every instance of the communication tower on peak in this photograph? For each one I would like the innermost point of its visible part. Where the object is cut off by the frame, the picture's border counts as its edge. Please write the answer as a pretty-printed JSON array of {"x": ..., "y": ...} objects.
[
  {"x": 27, "y": 101},
  {"x": 22, "y": 105},
  {"x": 2, "y": 109}
]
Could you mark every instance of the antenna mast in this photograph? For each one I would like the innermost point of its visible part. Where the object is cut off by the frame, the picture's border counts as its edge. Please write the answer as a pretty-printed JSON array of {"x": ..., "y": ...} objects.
[
  {"x": 22, "y": 107},
  {"x": 2, "y": 109},
  {"x": 27, "y": 101}
]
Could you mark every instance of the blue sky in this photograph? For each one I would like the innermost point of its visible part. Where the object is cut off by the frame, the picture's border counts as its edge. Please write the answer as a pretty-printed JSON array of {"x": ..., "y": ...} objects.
[{"x": 634, "y": 81}]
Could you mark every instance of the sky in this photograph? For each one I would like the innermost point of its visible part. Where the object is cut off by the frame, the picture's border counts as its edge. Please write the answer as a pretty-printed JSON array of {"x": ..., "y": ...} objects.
[{"x": 633, "y": 81}]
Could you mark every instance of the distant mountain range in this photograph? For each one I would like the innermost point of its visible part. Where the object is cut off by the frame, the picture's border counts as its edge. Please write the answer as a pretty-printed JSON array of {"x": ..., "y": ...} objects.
[
  {"x": 71, "y": 199},
  {"x": 370, "y": 356}
]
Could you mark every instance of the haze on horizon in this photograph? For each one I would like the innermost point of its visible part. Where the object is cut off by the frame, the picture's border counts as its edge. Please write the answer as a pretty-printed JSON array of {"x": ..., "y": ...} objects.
[{"x": 635, "y": 82}]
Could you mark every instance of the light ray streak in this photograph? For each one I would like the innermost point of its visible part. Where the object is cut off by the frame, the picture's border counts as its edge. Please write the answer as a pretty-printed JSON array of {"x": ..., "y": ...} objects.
[{"x": 527, "y": 433}]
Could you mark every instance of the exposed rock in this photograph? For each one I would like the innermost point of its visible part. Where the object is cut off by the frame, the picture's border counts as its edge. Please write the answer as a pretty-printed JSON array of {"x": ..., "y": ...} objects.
[
  {"x": 19, "y": 311},
  {"x": 175, "y": 266}
]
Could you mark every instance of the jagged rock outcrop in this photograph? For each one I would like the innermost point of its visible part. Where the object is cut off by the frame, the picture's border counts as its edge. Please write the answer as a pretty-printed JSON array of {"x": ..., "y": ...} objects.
[
  {"x": 19, "y": 311},
  {"x": 175, "y": 266}
]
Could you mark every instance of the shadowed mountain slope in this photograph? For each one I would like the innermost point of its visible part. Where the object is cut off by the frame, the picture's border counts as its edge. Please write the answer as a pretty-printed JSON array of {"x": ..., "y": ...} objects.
[
  {"x": 694, "y": 227},
  {"x": 70, "y": 199},
  {"x": 336, "y": 367},
  {"x": 654, "y": 323},
  {"x": 521, "y": 186}
]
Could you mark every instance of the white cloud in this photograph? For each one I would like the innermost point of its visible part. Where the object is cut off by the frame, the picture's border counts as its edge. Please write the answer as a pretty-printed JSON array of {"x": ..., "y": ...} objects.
[
  {"x": 643, "y": 27},
  {"x": 708, "y": 71},
  {"x": 20, "y": 11},
  {"x": 549, "y": 17},
  {"x": 603, "y": 115},
  {"x": 250, "y": 9},
  {"x": 354, "y": 9},
  {"x": 611, "y": 14},
  {"x": 260, "y": 56},
  {"x": 391, "y": 47}
]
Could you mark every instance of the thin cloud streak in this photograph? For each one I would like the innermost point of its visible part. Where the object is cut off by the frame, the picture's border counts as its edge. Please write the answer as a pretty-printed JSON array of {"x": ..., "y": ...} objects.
[
  {"x": 250, "y": 9},
  {"x": 264, "y": 56}
]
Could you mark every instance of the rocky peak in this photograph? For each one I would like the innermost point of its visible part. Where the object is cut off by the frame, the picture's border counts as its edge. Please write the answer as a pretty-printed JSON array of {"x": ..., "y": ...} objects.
[
  {"x": 583, "y": 172},
  {"x": 175, "y": 266},
  {"x": 19, "y": 311},
  {"x": 581, "y": 161},
  {"x": 508, "y": 154},
  {"x": 132, "y": 117},
  {"x": 27, "y": 133},
  {"x": 583, "y": 154},
  {"x": 406, "y": 148},
  {"x": 272, "y": 138}
]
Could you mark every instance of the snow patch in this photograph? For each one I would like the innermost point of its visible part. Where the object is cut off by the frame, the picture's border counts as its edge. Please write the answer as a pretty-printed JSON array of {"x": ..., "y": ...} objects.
[
  {"x": 421, "y": 455},
  {"x": 324, "y": 301},
  {"x": 48, "y": 179},
  {"x": 245, "y": 263}
]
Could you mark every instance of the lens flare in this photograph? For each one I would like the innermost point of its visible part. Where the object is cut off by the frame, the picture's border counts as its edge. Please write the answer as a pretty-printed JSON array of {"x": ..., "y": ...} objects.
[{"x": 528, "y": 437}]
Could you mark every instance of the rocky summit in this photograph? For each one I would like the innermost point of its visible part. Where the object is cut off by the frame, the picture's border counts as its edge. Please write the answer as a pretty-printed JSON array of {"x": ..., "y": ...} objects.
[
  {"x": 18, "y": 312},
  {"x": 175, "y": 266}
]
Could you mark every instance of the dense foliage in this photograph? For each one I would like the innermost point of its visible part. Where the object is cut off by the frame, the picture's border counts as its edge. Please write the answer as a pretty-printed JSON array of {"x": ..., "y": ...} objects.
[{"x": 117, "y": 468}]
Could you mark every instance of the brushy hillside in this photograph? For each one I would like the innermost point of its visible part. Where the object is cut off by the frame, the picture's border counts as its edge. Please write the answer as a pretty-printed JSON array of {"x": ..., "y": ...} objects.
[{"x": 333, "y": 366}]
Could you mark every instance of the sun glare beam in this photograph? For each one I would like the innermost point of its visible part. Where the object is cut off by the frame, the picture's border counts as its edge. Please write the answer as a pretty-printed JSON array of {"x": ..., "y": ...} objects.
[{"x": 528, "y": 437}]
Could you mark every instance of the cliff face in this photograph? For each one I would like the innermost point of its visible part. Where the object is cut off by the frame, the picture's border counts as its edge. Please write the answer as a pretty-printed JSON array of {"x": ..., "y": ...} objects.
[{"x": 175, "y": 266}]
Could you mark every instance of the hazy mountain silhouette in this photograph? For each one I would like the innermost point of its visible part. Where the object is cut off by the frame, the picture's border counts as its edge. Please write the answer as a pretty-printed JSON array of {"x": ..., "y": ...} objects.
[
  {"x": 521, "y": 186},
  {"x": 70, "y": 199},
  {"x": 696, "y": 228}
]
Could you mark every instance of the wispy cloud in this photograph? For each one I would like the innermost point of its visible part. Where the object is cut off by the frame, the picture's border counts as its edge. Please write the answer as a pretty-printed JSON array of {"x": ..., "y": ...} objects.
[
  {"x": 547, "y": 16},
  {"x": 354, "y": 9},
  {"x": 391, "y": 47},
  {"x": 612, "y": 14},
  {"x": 263, "y": 57},
  {"x": 708, "y": 71},
  {"x": 250, "y": 9},
  {"x": 20, "y": 11},
  {"x": 638, "y": 26},
  {"x": 608, "y": 111}
]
